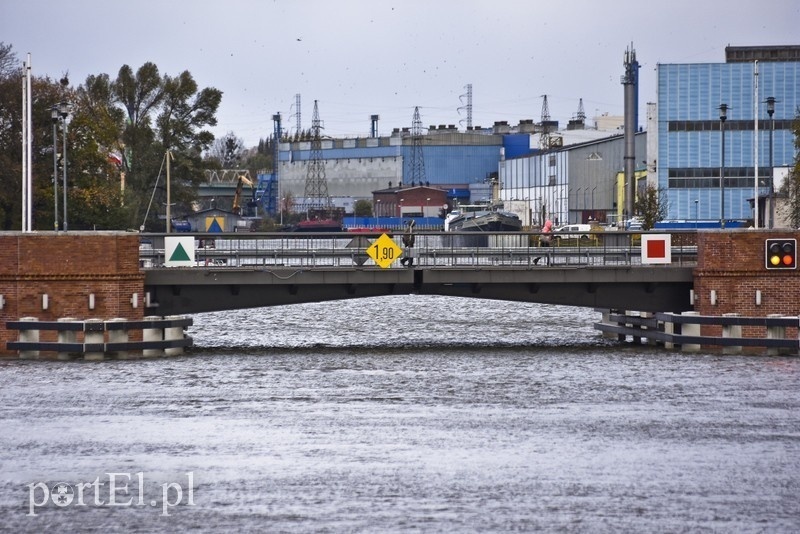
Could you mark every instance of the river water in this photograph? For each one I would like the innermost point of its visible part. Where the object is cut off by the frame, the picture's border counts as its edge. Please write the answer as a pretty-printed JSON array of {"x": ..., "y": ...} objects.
[{"x": 418, "y": 414}]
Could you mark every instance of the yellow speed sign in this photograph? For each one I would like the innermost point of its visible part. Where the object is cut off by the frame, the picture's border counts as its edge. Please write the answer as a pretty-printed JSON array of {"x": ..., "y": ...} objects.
[{"x": 384, "y": 251}]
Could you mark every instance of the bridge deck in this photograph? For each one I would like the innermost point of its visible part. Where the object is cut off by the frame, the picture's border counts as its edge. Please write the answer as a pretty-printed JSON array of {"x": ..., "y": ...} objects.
[{"x": 251, "y": 270}]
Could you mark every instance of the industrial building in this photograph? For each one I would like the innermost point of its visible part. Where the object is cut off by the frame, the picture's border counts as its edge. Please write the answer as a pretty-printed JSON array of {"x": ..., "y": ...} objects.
[{"x": 706, "y": 128}]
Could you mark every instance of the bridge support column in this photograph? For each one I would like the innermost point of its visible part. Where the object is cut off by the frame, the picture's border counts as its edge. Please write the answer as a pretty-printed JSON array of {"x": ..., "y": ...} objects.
[
  {"x": 690, "y": 329},
  {"x": 66, "y": 336},
  {"x": 731, "y": 330},
  {"x": 29, "y": 336},
  {"x": 94, "y": 336},
  {"x": 776, "y": 332}
]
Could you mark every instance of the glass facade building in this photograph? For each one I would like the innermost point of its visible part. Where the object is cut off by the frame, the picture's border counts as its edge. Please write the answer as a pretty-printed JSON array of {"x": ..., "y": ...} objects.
[{"x": 690, "y": 159}]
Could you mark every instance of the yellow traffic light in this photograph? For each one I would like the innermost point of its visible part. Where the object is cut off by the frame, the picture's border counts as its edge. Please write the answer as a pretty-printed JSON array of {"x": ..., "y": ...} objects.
[{"x": 781, "y": 253}]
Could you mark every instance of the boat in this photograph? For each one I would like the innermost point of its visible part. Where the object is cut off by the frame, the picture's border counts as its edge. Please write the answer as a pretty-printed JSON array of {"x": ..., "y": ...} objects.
[
  {"x": 482, "y": 218},
  {"x": 319, "y": 220},
  {"x": 318, "y": 225}
]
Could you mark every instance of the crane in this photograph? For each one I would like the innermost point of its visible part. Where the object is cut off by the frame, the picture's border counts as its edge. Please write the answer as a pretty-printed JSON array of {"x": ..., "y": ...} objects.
[{"x": 237, "y": 207}]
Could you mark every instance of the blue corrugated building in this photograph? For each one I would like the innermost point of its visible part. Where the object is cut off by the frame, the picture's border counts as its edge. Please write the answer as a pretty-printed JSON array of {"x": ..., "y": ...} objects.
[{"x": 689, "y": 160}]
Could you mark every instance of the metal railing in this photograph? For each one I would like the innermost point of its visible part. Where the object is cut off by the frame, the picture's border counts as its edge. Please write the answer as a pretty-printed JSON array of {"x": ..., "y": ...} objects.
[{"x": 431, "y": 250}]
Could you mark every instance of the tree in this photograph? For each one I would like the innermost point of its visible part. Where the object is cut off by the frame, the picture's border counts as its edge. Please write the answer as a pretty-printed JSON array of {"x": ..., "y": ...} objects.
[
  {"x": 228, "y": 151},
  {"x": 651, "y": 204},
  {"x": 362, "y": 208},
  {"x": 163, "y": 114},
  {"x": 791, "y": 186}
]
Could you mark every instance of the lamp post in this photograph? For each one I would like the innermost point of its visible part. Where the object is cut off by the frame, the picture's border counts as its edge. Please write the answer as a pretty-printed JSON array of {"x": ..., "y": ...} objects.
[
  {"x": 695, "y": 213},
  {"x": 723, "y": 115},
  {"x": 771, "y": 111},
  {"x": 55, "y": 117},
  {"x": 378, "y": 212},
  {"x": 64, "y": 109}
]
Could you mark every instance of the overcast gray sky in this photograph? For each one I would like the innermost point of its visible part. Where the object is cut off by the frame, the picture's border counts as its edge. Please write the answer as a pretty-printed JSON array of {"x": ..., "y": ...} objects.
[{"x": 363, "y": 57}]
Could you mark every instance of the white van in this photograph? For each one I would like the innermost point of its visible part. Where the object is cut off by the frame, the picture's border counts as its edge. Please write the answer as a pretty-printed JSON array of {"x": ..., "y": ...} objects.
[{"x": 573, "y": 231}]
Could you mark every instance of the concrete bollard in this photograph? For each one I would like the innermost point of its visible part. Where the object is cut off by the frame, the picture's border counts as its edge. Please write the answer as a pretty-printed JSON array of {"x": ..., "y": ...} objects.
[
  {"x": 775, "y": 332},
  {"x": 690, "y": 329},
  {"x": 173, "y": 333},
  {"x": 152, "y": 334},
  {"x": 731, "y": 330},
  {"x": 67, "y": 336},
  {"x": 118, "y": 336},
  {"x": 93, "y": 336},
  {"x": 29, "y": 336}
]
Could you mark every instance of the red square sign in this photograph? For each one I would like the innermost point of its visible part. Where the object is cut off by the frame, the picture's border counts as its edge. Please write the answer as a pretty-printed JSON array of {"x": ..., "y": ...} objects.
[{"x": 656, "y": 248}]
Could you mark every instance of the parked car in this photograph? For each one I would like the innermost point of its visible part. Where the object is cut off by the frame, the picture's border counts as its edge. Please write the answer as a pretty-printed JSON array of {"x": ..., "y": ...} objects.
[{"x": 573, "y": 231}]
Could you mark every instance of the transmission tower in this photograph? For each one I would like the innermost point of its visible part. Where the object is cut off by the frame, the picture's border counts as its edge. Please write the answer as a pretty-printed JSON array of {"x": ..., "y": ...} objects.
[
  {"x": 468, "y": 107},
  {"x": 417, "y": 160},
  {"x": 316, "y": 193},
  {"x": 544, "y": 137},
  {"x": 581, "y": 114},
  {"x": 296, "y": 113}
]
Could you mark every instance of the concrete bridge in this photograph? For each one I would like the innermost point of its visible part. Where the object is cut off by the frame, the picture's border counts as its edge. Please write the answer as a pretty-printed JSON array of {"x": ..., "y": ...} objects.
[{"x": 251, "y": 270}]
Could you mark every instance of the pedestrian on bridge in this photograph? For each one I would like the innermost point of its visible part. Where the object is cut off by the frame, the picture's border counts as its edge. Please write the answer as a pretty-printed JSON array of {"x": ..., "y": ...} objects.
[{"x": 408, "y": 243}]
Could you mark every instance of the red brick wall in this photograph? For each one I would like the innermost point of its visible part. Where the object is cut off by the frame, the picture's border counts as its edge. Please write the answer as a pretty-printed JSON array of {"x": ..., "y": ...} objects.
[
  {"x": 68, "y": 268},
  {"x": 732, "y": 264}
]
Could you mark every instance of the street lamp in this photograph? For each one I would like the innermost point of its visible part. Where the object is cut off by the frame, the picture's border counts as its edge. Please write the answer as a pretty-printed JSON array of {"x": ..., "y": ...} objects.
[
  {"x": 771, "y": 111},
  {"x": 378, "y": 212},
  {"x": 64, "y": 109},
  {"x": 723, "y": 115},
  {"x": 695, "y": 213},
  {"x": 55, "y": 117}
]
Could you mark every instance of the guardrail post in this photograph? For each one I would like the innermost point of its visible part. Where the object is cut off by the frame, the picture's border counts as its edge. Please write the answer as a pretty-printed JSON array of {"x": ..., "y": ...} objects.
[
  {"x": 731, "y": 330},
  {"x": 118, "y": 336},
  {"x": 173, "y": 333},
  {"x": 775, "y": 332},
  {"x": 29, "y": 336},
  {"x": 152, "y": 334},
  {"x": 92, "y": 335},
  {"x": 67, "y": 336},
  {"x": 690, "y": 329}
]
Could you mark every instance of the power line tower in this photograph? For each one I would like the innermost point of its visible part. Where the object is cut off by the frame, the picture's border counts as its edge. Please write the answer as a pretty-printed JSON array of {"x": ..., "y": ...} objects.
[
  {"x": 544, "y": 137},
  {"x": 417, "y": 166},
  {"x": 296, "y": 113},
  {"x": 468, "y": 107},
  {"x": 316, "y": 193},
  {"x": 581, "y": 116}
]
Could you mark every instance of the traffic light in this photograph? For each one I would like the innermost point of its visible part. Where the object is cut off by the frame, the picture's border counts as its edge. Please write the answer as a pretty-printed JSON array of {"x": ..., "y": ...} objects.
[{"x": 781, "y": 253}]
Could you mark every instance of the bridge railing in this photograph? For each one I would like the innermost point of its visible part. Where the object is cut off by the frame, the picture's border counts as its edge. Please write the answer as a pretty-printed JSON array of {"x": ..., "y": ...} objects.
[{"x": 430, "y": 250}]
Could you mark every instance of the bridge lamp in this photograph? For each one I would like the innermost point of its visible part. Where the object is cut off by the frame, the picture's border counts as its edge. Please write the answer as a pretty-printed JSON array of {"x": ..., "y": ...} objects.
[
  {"x": 771, "y": 111},
  {"x": 723, "y": 116}
]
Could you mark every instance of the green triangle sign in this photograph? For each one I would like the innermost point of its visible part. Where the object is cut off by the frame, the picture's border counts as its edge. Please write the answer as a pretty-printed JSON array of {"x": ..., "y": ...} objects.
[{"x": 179, "y": 254}]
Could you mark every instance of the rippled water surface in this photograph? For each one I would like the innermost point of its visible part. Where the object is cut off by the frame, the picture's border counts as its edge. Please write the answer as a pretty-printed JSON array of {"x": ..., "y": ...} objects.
[{"x": 405, "y": 414}]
